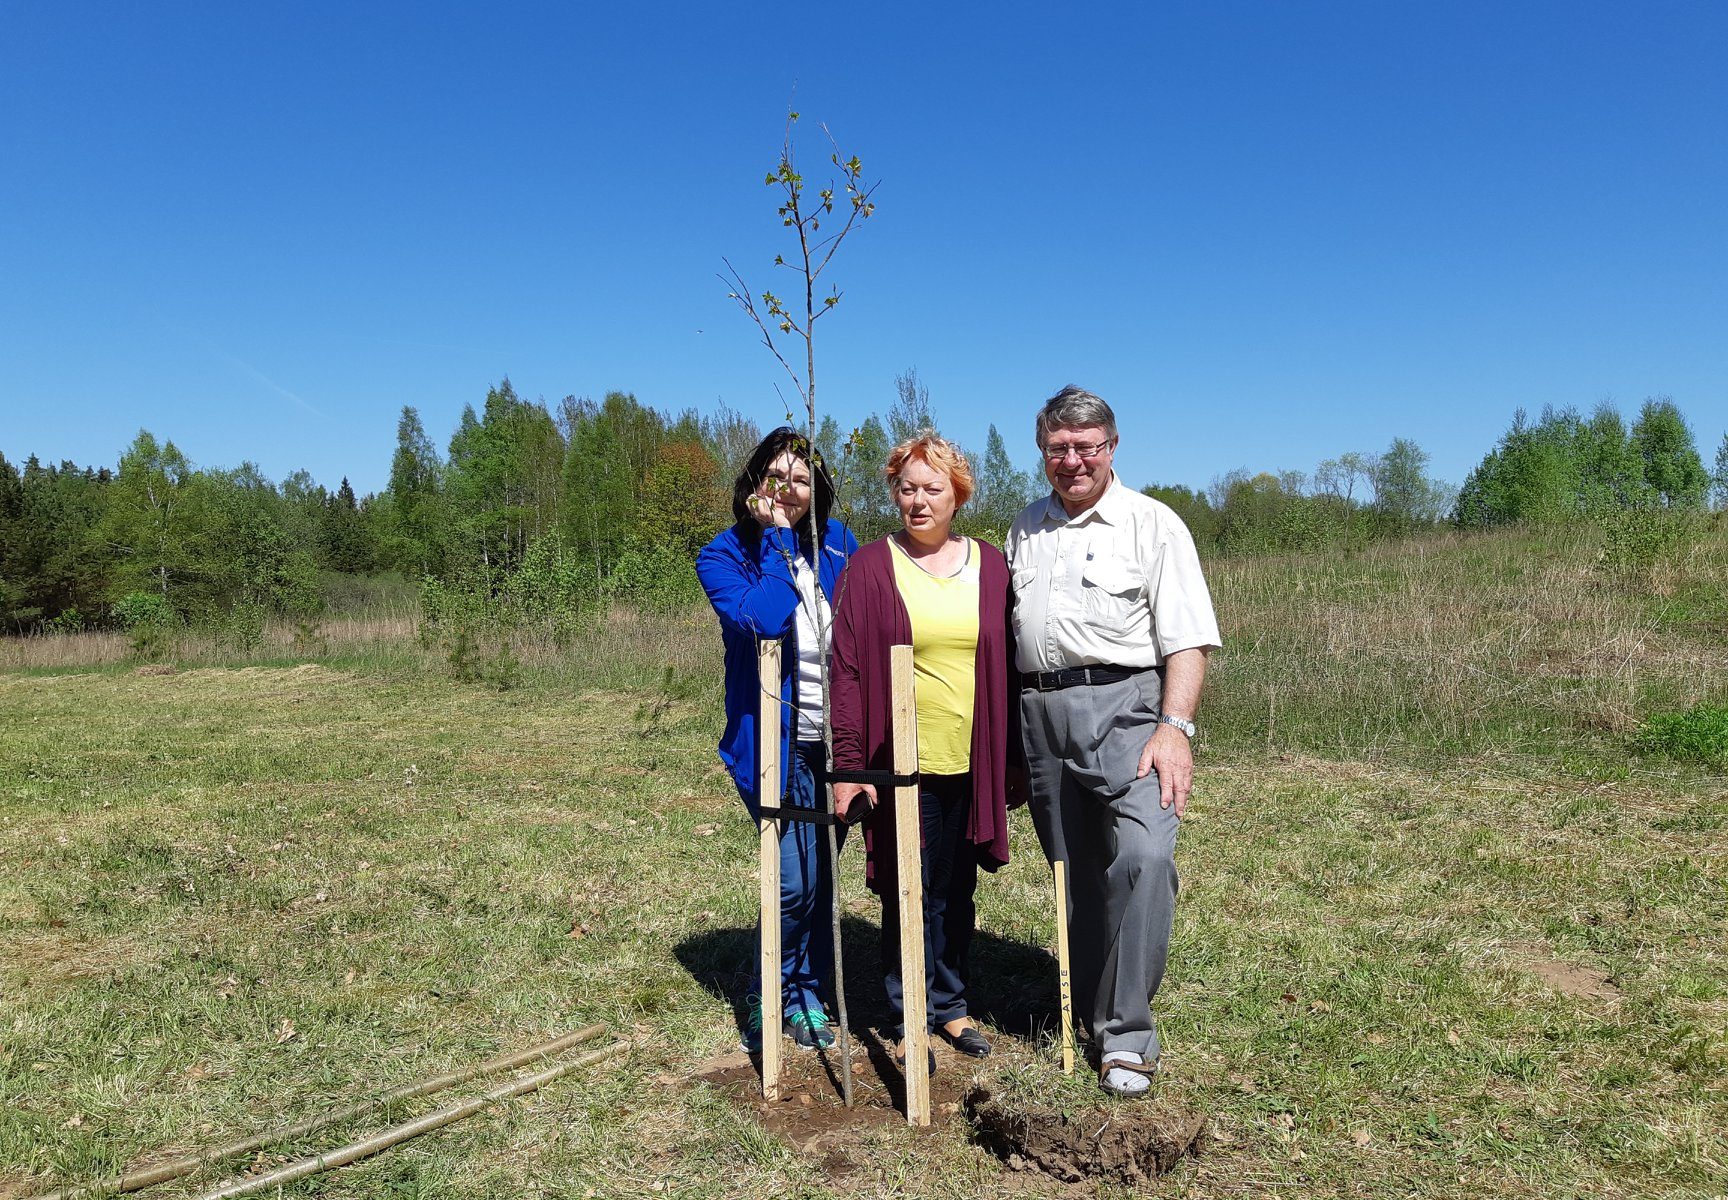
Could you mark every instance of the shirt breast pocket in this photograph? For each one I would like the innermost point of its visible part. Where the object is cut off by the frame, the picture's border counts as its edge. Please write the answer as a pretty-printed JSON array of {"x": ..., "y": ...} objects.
[{"x": 1109, "y": 591}]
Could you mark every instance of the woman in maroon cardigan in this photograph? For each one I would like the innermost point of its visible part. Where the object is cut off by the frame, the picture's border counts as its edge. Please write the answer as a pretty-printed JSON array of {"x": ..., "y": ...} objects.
[{"x": 947, "y": 597}]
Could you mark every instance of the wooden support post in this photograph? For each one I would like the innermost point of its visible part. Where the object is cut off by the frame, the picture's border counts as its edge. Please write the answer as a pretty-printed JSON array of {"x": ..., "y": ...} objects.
[
  {"x": 1064, "y": 971},
  {"x": 909, "y": 873},
  {"x": 769, "y": 828}
]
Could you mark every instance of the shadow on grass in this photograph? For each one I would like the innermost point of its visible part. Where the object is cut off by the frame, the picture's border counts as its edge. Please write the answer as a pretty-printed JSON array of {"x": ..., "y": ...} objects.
[{"x": 1012, "y": 985}]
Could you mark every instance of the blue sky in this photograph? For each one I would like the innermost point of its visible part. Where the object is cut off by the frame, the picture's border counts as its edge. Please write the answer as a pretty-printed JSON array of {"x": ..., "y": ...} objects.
[{"x": 1267, "y": 232}]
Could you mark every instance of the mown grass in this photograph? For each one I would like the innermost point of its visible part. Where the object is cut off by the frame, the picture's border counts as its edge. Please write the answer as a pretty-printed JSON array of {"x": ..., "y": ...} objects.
[{"x": 236, "y": 894}]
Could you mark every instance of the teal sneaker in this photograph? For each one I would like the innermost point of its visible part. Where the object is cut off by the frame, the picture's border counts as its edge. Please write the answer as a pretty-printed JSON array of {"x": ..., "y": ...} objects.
[
  {"x": 809, "y": 1028},
  {"x": 751, "y": 1038}
]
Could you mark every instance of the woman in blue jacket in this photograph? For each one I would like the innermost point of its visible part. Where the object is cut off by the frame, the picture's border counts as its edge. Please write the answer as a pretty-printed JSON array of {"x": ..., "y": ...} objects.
[{"x": 764, "y": 583}]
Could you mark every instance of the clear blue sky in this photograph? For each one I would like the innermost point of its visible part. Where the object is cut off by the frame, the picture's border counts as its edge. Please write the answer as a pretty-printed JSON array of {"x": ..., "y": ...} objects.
[{"x": 1267, "y": 233}]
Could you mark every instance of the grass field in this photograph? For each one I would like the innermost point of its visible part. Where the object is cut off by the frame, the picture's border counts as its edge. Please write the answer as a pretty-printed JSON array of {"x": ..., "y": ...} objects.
[{"x": 1440, "y": 932}]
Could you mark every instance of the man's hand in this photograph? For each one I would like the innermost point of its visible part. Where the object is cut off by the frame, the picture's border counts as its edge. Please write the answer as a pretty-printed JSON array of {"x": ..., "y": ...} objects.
[
  {"x": 1019, "y": 791},
  {"x": 847, "y": 794},
  {"x": 1169, "y": 753}
]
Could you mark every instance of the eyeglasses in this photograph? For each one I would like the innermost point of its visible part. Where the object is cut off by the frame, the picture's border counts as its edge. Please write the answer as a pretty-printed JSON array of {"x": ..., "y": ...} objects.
[{"x": 1080, "y": 450}]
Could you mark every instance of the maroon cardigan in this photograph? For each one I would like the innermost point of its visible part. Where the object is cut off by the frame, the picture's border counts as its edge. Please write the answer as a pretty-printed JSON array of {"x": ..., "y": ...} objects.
[{"x": 870, "y": 617}]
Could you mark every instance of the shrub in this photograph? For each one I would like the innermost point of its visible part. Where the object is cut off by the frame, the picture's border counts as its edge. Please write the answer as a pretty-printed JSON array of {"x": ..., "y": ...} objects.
[
  {"x": 70, "y": 621},
  {"x": 135, "y": 610},
  {"x": 1636, "y": 539},
  {"x": 657, "y": 579},
  {"x": 309, "y": 639},
  {"x": 244, "y": 624}
]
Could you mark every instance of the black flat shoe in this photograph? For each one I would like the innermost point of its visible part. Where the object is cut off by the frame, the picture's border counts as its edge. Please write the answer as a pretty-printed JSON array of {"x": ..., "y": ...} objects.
[
  {"x": 900, "y": 1059},
  {"x": 968, "y": 1041}
]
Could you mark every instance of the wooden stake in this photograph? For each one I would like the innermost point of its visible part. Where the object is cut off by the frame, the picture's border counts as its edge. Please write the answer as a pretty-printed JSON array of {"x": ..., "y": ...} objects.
[
  {"x": 1063, "y": 966},
  {"x": 769, "y": 829},
  {"x": 384, "y": 1139},
  {"x": 174, "y": 1169},
  {"x": 909, "y": 872}
]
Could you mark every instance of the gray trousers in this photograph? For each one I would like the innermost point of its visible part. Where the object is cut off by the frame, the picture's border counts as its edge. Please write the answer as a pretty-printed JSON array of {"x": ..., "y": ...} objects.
[{"x": 1083, "y": 747}]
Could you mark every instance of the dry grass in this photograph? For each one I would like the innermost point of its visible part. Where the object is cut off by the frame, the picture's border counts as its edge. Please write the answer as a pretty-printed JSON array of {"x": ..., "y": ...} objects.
[
  {"x": 619, "y": 645},
  {"x": 1506, "y": 643}
]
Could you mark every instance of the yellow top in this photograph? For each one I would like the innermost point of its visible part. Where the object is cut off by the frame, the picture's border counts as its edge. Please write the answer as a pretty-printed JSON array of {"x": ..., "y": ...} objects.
[{"x": 944, "y": 615}]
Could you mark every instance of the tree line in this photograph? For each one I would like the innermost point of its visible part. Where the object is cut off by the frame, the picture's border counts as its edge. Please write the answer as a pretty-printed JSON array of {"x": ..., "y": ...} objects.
[{"x": 534, "y": 508}]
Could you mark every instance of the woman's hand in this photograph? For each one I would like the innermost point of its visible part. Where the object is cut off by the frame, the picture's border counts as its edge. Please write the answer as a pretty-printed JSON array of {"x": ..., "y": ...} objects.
[
  {"x": 767, "y": 511},
  {"x": 846, "y": 795}
]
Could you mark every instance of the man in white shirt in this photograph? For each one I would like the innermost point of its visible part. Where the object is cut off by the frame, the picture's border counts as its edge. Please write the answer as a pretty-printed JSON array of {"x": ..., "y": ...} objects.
[{"x": 1113, "y": 622}]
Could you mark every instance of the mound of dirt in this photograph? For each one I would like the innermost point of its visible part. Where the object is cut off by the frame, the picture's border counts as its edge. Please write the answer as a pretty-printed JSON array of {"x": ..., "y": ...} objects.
[{"x": 1130, "y": 1143}]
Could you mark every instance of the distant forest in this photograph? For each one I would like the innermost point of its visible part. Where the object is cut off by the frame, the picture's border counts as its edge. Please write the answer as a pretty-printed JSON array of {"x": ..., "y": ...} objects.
[{"x": 534, "y": 509}]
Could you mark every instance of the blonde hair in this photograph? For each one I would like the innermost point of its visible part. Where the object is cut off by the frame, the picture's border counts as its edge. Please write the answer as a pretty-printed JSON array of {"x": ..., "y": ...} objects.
[{"x": 937, "y": 453}]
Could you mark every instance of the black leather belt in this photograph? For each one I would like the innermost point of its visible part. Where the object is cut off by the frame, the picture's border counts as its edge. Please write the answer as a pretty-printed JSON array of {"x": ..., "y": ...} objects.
[{"x": 1050, "y": 681}]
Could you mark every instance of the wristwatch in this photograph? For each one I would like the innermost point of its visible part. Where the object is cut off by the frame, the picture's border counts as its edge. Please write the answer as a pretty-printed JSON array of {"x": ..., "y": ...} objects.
[{"x": 1182, "y": 723}]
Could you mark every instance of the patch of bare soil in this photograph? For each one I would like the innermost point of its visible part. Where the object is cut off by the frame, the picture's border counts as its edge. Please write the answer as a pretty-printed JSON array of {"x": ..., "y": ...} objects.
[
  {"x": 1568, "y": 978},
  {"x": 811, "y": 1115},
  {"x": 1129, "y": 1144}
]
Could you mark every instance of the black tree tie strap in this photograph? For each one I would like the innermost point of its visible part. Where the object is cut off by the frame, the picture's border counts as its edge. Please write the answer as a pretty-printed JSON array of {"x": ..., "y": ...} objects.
[
  {"x": 877, "y": 778},
  {"x": 807, "y": 816}
]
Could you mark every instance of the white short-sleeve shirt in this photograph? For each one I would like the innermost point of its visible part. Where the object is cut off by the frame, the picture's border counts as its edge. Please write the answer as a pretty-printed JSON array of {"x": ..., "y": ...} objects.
[{"x": 1120, "y": 584}]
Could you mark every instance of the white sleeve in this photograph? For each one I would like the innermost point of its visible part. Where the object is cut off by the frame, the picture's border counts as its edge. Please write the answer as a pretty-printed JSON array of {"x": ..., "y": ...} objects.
[{"x": 1182, "y": 616}]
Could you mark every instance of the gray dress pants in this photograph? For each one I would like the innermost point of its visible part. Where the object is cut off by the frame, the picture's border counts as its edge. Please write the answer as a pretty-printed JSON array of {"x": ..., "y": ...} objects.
[{"x": 1083, "y": 747}]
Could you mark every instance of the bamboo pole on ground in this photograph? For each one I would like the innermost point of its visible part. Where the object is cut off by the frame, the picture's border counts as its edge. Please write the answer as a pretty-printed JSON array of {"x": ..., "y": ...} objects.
[
  {"x": 769, "y": 831},
  {"x": 174, "y": 1169},
  {"x": 386, "y": 1138},
  {"x": 909, "y": 876},
  {"x": 1064, "y": 970}
]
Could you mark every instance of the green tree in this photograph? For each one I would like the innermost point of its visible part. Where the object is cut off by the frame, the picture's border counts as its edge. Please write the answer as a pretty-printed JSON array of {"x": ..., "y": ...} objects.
[
  {"x": 1719, "y": 479},
  {"x": 152, "y": 521},
  {"x": 1003, "y": 489},
  {"x": 1673, "y": 471},
  {"x": 679, "y": 510},
  {"x": 342, "y": 541},
  {"x": 413, "y": 535},
  {"x": 1609, "y": 470},
  {"x": 49, "y": 561},
  {"x": 246, "y": 554},
  {"x": 612, "y": 446},
  {"x": 1341, "y": 476},
  {"x": 1191, "y": 505},
  {"x": 1530, "y": 476},
  {"x": 863, "y": 491},
  {"x": 1403, "y": 493},
  {"x": 503, "y": 481}
]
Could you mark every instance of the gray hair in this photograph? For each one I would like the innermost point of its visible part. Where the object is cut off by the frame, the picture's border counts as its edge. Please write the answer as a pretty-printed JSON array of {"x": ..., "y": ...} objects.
[{"x": 1074, "y": 406}]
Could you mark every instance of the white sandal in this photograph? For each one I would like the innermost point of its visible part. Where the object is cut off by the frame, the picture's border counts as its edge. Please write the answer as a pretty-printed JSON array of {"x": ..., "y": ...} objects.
[{"x": 1112, "y": 1062}]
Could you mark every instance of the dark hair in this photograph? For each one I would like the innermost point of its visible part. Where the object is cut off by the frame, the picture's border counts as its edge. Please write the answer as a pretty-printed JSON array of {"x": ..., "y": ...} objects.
[{"x": 772, "y": 447}]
